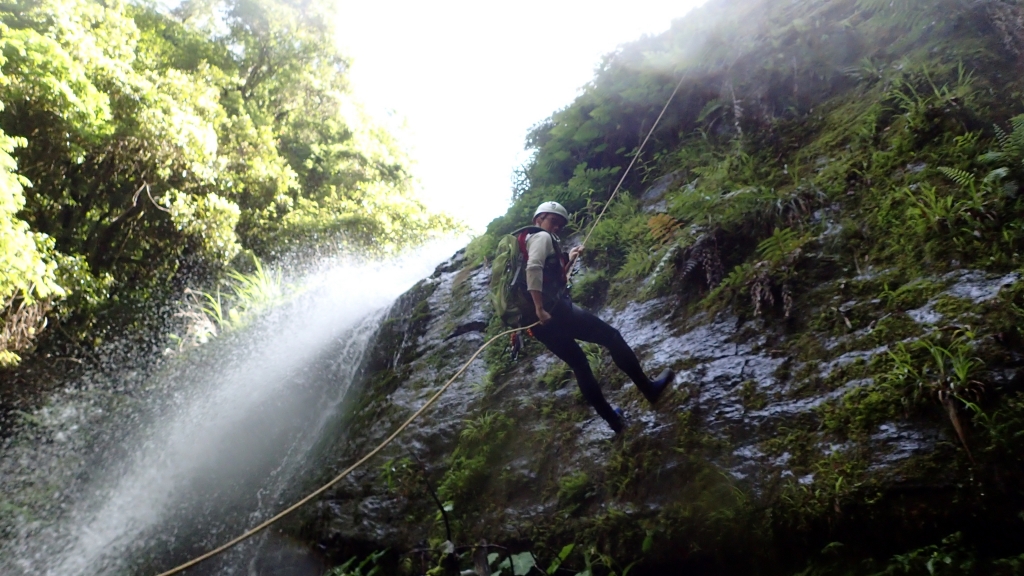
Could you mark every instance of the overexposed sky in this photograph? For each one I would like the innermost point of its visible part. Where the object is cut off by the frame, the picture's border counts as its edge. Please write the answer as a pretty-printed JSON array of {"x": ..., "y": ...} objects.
[{"x": 468, "y": 79}]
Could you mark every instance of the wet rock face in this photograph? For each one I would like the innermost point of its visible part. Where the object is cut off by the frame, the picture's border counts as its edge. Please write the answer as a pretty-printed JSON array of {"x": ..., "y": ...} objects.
[
  {"x": 427, "y": 335},
  {"x": 748, "y": 402}
]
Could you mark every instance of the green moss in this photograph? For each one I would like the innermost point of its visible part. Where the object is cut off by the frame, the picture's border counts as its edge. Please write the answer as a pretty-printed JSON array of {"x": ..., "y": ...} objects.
[
  {"x": 556, "y": 376},
  {"x": 590, "y": 289},
  {"x": 806, "y": 381},
  {"x": 909, "y": 296},
  {"x": 953, "y": 308},
  {"x": 862, "y": 409},
  {"x": 574, "y": 490},
  {"x": 460, "y": 299},
  {"x": 751, "y": 396},
  {"x": 808, "y": 347},
  {"x": 472, "y": 464},
  {"x": 892, "y": 327},
  {"x": 630, "y": 463}
]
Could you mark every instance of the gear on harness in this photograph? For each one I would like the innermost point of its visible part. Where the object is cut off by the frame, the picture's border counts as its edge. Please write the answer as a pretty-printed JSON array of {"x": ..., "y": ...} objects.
[
  {"x": 516, "y": 343},
  {"x": 515, "y": 346}
]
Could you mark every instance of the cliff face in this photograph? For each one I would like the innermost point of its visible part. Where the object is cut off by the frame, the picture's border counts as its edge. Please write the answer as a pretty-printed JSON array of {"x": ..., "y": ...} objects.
[
  {"x": 823, "y": 238},
  {"x": 742, "y": 464}
]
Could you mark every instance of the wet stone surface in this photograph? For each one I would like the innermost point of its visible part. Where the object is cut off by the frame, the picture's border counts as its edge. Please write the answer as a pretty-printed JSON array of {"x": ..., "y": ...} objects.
[{"x": 730, "y": 385}]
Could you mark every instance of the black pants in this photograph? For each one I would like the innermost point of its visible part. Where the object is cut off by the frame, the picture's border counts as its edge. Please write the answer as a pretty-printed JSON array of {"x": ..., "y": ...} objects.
[{"x": 570, "y": 323}]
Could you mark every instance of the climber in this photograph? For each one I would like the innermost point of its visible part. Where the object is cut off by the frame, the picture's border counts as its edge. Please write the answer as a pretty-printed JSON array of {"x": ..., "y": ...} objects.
[{"x": 562, "y": 322}]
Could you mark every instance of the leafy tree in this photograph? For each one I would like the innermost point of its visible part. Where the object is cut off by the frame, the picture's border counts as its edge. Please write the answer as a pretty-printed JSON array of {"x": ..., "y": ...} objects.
[
  {"x": 159, "y": 146},
  {"x": 27, "y": 266}
]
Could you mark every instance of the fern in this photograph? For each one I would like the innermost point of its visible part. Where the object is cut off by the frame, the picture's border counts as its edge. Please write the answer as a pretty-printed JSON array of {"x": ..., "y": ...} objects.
[
  {"x": 781, "y": 245},
  {"x": 996, "y": 176},
  {"x": 639, "y": 263},
  {"x": 1018, "y": 131},
  {"x": 1011, "y": 145},
  {"x": 737, "y": 278},
  {"x": 704, "y": 254},
  {"x": 900, "y": 13},
  {"x": 663, "y": 273},
  {"x": 690, "y": 265},
  {"x": 1002, "y": 137},
  {"x": 663, "y": 228},
  {"x": 710, "y": 108},
  {"x": 963, "y": 178}
]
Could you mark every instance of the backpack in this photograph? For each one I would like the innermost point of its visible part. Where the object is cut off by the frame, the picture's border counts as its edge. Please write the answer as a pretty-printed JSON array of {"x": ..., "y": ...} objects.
[{"x": 508, "y": 277}]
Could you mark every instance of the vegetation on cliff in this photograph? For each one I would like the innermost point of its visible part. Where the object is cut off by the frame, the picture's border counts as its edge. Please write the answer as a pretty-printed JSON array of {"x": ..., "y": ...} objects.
[{"x": 839, "y": 176}]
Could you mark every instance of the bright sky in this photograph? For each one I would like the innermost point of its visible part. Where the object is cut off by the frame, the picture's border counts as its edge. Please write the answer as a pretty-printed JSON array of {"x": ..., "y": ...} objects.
[{"x": 470, "y": 78}]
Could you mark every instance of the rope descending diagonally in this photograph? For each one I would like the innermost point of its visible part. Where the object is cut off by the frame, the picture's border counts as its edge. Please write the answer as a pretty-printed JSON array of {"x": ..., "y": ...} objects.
[
  {"x": 266, "y": 523},
  {"x": 346, "y": 471}
]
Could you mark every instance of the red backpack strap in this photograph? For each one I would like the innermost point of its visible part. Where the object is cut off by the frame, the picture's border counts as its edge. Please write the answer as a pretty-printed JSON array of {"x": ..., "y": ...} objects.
[{"x": 522, "y": 246}]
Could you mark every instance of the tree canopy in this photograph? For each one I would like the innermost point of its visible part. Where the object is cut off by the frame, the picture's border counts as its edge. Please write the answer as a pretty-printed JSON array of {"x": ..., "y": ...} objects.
[{"x": 143, "y": 150}]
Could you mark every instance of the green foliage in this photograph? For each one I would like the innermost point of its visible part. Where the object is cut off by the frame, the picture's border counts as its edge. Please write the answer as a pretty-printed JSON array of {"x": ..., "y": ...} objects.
[
  {"x": 368, "y": 566},
  {"x": 517, "y": 564},
  {"x": 159, "y": 145},
  {"x": 752, "y": 397},
  {"x": 27, "y": 268},
  {"x": 948, "y": 557},
  {"x": 589, "y": 289},
  {"x": 247, "y": 295},
  {"x": 480, "y": 249},
  {"x": 947, "y": 365},
  {"x": 908, "y": 296},
  {"x": 556, "y": 376},
  {"x": 1010, "y": 147},
  {"x": 780, "y": 254},
  {"x": 480, "y": 444},
  {"x": 28, "y": 265},
  {"x": 574, "y": 490},
  {"x": 831, "y": 161},
  {"x": 782, "y": 247}
]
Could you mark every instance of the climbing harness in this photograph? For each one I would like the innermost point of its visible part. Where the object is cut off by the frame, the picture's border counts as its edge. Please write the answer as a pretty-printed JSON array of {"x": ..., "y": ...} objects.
[{"x": 248, "y": 534}]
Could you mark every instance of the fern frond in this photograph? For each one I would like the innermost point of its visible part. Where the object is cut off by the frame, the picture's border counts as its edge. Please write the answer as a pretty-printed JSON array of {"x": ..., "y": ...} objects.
[
  {"x": 902, "y": 13},
  {"x": 779, "y": 245},
  {"x": 997, "y": 175},
  {"x": 663, "y": 228},
  {"x": 1001, "y": 136},
  {"x": 689, "y": 266},
  {"x": 992, "y": 157},
  {"x": 963, "y": 178},
  {"x": 738, "y": 276},
  {"x": 1015, "y": 141},
  {"x": 1018, "y": 125},
  {"x": 710, "y": 108}
]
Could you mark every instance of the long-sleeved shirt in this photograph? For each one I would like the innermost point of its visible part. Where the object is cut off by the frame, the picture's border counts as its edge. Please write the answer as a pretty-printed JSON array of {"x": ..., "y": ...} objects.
[{"x": 538, "y": 247}]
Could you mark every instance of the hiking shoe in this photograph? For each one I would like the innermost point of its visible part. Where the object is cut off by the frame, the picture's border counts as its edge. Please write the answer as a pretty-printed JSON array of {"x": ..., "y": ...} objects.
[
  {"x": 660, "y": 384},
  {"x": 620, "y": 421}
]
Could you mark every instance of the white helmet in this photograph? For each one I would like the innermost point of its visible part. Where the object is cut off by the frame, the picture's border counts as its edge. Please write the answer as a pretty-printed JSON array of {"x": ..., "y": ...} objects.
[{"x": 553, "y": 208}]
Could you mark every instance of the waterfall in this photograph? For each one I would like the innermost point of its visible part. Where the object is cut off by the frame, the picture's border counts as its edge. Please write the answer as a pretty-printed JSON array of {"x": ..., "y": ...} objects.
[{"x": 204, "y": 449}]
